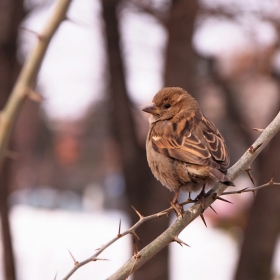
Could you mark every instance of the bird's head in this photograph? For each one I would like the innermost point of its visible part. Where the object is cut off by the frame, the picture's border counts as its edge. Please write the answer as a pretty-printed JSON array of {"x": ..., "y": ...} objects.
[{"x": 169, "y": 102}]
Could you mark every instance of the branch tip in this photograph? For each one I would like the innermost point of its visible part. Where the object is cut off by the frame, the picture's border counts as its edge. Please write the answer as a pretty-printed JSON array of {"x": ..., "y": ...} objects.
[
  {"x": 203, "y": 219},
  {"x": 98, "y": 259},
  {"x": 258, "y": 129},
  {"x": 271, "y": 181},
  {"x": 215, "y": 196},
  {"x": 137, "y": 212},
  {"x": 119, "y": 231},
  {"x": 213, "y": 209},
  {"x": 75, "y": 262},
  {"x": 34, "y": 96}
]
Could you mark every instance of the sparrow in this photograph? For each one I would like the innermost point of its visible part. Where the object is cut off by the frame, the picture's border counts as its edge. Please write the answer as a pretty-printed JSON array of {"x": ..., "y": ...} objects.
[{"x": 185, "y": 151}]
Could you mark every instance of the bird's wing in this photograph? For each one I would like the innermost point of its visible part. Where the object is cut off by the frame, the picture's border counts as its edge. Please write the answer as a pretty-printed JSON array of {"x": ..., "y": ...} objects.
[
  {"x": 193, "y": 139},
  {"x": 216, "y": 143}
]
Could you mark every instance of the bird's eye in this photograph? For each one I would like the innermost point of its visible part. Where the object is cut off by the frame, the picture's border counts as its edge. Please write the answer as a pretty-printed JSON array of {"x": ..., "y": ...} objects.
[{"x": 167, "y": 106}]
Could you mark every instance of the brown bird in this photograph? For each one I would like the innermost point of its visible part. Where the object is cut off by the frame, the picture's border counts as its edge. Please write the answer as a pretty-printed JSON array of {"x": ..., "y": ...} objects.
[{"x": 184, "y": 149}]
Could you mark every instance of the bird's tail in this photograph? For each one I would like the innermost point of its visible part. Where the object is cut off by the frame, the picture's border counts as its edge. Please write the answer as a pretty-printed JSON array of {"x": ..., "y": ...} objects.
[{"x": 221, "y": 177}]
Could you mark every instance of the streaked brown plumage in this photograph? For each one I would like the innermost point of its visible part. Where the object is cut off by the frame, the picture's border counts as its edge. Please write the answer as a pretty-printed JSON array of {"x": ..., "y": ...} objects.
[{"x": 184, "y": 149}]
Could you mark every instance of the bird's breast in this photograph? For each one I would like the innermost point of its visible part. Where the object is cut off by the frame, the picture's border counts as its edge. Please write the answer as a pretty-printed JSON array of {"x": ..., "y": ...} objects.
[{"x": 162, "y": 167}]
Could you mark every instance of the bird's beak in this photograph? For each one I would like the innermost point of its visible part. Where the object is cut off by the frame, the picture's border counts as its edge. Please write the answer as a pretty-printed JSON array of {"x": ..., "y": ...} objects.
[{"x": 152, "y": 109}]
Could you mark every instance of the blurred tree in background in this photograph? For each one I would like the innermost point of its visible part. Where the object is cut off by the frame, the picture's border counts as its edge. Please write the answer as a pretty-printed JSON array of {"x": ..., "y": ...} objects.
[
  {"x": 11, "y": 14},
  {"x": 98, "y": 160}
]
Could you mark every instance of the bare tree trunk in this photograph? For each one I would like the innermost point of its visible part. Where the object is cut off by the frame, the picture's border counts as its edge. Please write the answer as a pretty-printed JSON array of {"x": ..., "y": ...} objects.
[
  {"x": 11, "y": 13},
  {"x": 181, "y": 60},
  {"x": 263, "y": 225},
  {"x": 9, "y": 261},
  {"x": 144, "y": 192}
]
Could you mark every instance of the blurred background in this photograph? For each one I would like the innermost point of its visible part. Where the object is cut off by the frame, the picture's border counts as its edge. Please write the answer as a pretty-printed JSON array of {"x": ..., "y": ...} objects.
[{"x": 77, "y": 160}]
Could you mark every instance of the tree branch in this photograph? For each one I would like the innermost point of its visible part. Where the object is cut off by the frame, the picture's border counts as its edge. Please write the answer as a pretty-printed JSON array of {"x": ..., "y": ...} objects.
[
  {"x": 174, "y": 230},
  {"x": 171, "y": 234},
  {"x": 26, "y": 80}
]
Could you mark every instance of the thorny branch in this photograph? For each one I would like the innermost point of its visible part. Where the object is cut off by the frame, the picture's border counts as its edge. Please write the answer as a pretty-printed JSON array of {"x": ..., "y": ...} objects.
[
  {"x": 119, "y": 235},
  {"x": 26, "y": 80},
  {"x": 171, "y": 234}
]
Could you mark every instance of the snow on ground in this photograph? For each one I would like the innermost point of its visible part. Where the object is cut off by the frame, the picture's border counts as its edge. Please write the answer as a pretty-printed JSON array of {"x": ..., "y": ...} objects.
[
  {"x": 43, "y": 237},
  {"x": 212, "y": 254}
]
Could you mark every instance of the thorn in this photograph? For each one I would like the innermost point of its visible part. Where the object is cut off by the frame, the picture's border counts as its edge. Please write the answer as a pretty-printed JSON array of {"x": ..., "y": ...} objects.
[
  {"x": 78, "y": 22},
  {"x": 11, "y": 155},
  {"x": 97, "y": 249},
  {"x": 119, "y": 231},
  {"x": 202, "y": 217},
  {"x": 135, "y": 251},
  {"x": 258, "y": 129},
  {"x": 75, "y": 262},
  {"x": 34, "y": 96},
  {"x": 252, "y": 149},
  {"x": 55, "y": 276},
  {"x": 202, "y": 204},
  {"x": 28, "y": 30},
  {"x": 137, "y": 237},
  {"x": 40, "y": 37},
  {"x": 214, "y": 196},
  {"x": 98, "y": 259},
  {"x": 140, "y": 216},
  {"x": 271, "y": 182},
  {"x": 213, "y": 209},
  {"x": 179, "y": 241},
  {"x": 135, "y": 248},
  {"x": 250, "y": 175}
]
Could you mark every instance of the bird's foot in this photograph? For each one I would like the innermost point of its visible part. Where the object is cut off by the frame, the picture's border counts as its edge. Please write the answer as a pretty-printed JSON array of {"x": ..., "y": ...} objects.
[{"x": 178, "y": 208}]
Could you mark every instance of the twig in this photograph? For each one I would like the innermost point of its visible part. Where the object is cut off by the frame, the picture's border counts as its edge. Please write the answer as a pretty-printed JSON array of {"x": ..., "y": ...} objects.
[
  {"x": 27, "y": 77},
  {"x": 252, "y": 189},
  {"x": 131, "y": 230}
]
